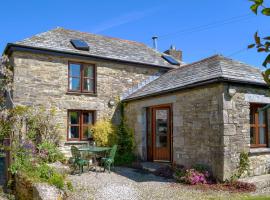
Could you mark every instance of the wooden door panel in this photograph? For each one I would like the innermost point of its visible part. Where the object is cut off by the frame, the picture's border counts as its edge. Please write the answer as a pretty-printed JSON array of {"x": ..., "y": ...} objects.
[{"x": 161, "y": 130}]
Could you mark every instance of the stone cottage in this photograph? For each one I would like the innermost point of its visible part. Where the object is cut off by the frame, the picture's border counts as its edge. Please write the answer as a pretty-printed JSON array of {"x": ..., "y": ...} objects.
[{"x": 205, "y": 112}]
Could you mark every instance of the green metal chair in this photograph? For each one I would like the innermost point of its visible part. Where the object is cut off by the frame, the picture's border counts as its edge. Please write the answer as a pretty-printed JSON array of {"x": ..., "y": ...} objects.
[
  {"x": 106, "y": 162},
  {"x": 78, "y": 161}
]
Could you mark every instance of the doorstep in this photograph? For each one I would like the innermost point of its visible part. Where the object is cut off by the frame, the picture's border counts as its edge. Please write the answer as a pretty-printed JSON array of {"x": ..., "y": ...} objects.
[
  {"x": 153, "y": 166},
  {"x": 260, "y": 182}
]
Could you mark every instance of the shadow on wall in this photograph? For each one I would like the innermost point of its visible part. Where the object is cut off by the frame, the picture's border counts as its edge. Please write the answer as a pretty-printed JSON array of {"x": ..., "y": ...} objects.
[{"x": 116, "y": 117}]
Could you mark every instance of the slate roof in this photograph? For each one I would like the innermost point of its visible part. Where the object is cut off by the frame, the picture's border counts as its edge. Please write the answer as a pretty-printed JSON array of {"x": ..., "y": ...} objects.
[
  {"x": 100, "y": 46},
  {"x": 204, "y": 71}
]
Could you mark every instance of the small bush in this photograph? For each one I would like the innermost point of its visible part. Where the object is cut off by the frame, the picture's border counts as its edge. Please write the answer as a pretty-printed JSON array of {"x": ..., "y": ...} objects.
[
  {"x": 194, "y": 177},
  {"x": 57, "y": 180},
  {"x": 104, "y": 133},
  {"x": 200, "y": 168},
  {"x": 242, "y": 168},
  {"x": 48, "y": 152},
  {"x": 125, "y": 141},
  {"x": 124, "y": 158},
  {"x": 69, "y": 186}
]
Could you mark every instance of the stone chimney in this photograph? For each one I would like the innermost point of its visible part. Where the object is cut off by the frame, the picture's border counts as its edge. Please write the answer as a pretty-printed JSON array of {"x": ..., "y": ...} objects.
[{"x": 177, "y": 54}]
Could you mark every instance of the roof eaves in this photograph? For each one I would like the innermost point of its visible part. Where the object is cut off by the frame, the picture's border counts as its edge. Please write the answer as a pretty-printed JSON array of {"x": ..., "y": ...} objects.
[
  {"x": 196, "y": 84},
  {"x": 10, "y": 47}
]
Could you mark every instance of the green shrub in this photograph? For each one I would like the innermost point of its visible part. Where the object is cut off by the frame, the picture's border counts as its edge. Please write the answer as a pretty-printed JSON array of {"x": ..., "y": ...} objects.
[
  {"x": 57, "y": 180},
  {"x": 200, "y": 168},
  {"x": 104, "y": 133},
  {"x": 125, "y": 141},
  {"x": 48, "y": 152},
  {"x": 69, "y": 186},
  {"x": 242, "y": 168}
]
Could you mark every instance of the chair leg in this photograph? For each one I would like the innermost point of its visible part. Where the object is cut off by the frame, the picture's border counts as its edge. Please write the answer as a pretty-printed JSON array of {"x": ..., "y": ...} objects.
[
  {"x": 81, "y": 169},
  {"x": 109, "y": 166}
]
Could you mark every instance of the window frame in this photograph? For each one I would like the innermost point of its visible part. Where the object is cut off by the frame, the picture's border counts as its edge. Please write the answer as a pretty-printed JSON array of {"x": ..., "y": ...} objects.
[
  {"x": 81, "y": 124},
  {"x": 253, "y": 111},
  {"x": 82, "y": 77}
]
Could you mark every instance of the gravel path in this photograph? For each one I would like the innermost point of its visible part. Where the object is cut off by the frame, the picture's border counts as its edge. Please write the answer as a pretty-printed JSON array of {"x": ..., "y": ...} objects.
[{"x": 130, "y": 184}]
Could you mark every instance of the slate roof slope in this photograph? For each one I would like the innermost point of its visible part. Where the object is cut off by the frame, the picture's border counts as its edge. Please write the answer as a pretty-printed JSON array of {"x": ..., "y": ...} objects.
[
  {"x": 100, "y": 46},
  {"x": 213, "y": 68}
]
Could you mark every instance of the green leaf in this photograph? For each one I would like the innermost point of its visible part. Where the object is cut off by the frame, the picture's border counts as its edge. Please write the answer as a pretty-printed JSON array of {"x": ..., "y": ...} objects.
[
  {"x": 261, "y": 49},
  {"x": 257, "y": 39},
  {"x": 266, "y": 76},
  {"x": 266, "y": 61},
  {"x": 254, "y": 8},
  {"x": 266, "y": 11},
  {"x": 257, "y": 1},
  {"x": 251, "y": 46},
  {"x": 267, "y": 38}
]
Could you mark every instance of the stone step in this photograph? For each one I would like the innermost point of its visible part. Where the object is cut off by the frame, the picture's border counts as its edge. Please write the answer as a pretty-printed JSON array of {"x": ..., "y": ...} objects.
[
  {"x": 260, "y": 182},
  {"x": 153, "y": 166}
]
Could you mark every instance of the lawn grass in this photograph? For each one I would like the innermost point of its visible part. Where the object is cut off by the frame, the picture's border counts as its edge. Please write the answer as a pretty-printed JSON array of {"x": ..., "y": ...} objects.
[{"x": 256, "y": 198}]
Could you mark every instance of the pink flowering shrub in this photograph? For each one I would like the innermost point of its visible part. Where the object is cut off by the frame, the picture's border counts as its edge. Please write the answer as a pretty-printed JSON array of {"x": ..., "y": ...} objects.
[{"x": 194, "y": 177}]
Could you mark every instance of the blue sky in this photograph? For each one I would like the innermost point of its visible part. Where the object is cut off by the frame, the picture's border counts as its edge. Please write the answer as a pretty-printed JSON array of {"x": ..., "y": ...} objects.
[{"x": 198, "y": 28}]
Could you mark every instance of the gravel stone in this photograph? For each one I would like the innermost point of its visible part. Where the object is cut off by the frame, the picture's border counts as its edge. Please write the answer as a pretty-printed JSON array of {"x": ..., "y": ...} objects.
[{"x": 131, "y": 184}]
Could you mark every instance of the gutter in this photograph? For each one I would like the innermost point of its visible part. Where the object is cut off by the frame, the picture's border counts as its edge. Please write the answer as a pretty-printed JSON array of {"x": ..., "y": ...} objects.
[
  {"x": 197, "y": 84},
  {"x": 18, "y": 47}
]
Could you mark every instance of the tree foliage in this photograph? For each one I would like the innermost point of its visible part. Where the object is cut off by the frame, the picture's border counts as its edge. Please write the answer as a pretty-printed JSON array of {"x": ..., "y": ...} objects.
[
  {"x": 262, "y": 44},
  {"x": 6, "y": 80}
]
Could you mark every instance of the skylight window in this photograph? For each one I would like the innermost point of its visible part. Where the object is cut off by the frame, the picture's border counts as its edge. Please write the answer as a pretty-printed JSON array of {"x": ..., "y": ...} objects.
[
  {"x": 79, "y": 44},
  {"x": 170, "y": 59}
]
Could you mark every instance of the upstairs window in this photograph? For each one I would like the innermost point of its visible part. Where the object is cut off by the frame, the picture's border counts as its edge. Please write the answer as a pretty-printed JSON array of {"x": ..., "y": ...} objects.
[
  {"x": 81, "y": 78},
  {"x": 79, "y": 124},
  {"x": 258, "y": 126}
]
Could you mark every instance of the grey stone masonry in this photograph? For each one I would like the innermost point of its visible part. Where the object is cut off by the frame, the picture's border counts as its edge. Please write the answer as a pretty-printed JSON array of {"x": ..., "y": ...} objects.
[
  {"x": 43, "y": 80},
  {"x": 197, "y": 126},
  {"x": 211, "y": 126},
  {"x": 236, "y": 114}
]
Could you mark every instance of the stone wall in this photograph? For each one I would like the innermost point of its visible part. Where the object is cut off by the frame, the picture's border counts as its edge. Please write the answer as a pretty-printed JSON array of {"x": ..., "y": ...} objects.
[
  {"x": 197, "y": 125},
  {"x": 237, "y": 129},
  {"x": 43, "y": 80}
]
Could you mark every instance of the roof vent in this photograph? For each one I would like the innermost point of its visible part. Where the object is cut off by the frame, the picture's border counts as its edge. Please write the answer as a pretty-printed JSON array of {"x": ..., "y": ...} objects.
[
  {"x": 170, "y": 59},
  {"x": 79, "y": 44}
]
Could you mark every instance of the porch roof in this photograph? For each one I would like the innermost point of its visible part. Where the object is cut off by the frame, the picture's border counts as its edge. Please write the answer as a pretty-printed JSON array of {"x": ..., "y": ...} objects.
[{"x": 209, "y": 70}]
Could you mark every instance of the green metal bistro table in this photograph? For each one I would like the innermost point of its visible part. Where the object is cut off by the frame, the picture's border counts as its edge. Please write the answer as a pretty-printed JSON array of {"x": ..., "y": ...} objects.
[{"x": 95, "y": 151}]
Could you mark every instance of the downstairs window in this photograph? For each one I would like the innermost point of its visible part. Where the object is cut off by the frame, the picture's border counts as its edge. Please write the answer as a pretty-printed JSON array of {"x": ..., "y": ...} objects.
[
  {"x": 258, "y": 126},
  {"x": 79, "y": 124}
]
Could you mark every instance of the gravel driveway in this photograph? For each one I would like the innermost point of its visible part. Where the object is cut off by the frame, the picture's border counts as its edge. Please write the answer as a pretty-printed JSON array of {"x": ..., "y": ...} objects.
[{"x": 131, "y": 184}]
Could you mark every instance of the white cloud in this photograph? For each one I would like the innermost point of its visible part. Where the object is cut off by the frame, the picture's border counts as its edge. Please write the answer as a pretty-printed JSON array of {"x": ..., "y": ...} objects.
[{"x": 124, "y": 19}]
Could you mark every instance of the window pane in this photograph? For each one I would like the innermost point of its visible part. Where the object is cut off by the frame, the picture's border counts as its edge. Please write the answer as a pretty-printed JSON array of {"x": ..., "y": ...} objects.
[
  {"x": 89, "y": 71},
  {"x": 75, "y": 70},
  {"x": 252, "y": 135},
  {"x": 74, "y": 117},
  {"x": 262, "y": 136},
  {"x": 88, "y": 84},
  {"x": 252, "y": 116},
  {"x": 74, "y": 83},
  {"x": 73, "y": 132},
  {"x": 88, "y": 118},
  {"x": 161, "y": 128},
  {"x": 261, "y": 118},
  {"x": 87, "y": 132}
]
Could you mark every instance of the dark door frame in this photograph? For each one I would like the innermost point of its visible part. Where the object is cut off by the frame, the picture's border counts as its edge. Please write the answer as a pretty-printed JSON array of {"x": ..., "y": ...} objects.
[{"x": 150, "y": 149}]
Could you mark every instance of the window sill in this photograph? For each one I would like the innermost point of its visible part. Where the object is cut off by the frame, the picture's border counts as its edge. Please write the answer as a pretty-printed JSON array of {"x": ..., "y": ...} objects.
[
  {"x": 82, "y": 93},
  {"x": 254, "y": 151},
  {"x": 76, "y": 142}
]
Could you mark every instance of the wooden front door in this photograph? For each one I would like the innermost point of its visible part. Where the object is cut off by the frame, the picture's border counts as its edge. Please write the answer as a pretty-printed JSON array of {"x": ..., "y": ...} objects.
[{"x": 161, "y": 133}]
